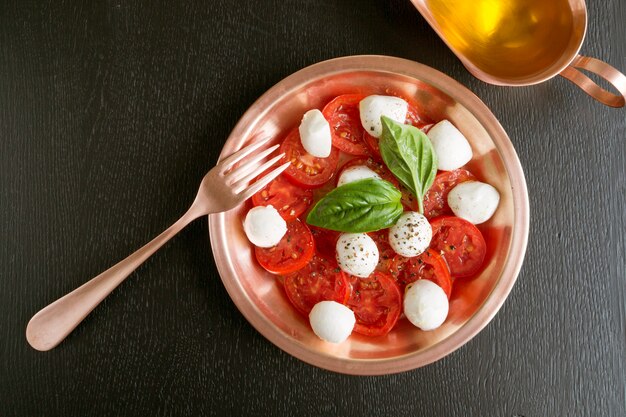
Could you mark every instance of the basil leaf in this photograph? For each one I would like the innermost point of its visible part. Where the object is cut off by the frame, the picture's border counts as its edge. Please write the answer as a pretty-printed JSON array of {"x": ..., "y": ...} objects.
[
  {"x": 410, "y": 156},
  {"x": 361, "y": 206}
]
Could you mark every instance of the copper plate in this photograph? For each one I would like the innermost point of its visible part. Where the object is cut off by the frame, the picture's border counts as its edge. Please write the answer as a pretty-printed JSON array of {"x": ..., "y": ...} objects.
[{"x": 259, "y": 296}]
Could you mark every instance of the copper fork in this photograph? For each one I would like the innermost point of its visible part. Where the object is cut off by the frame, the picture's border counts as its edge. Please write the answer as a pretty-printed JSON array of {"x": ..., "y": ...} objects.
[{"x": 222, "y": 188}]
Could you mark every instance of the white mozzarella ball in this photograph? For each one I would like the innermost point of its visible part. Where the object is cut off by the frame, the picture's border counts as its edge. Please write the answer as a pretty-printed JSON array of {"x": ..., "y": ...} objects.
[
  {"x": 425, "y": 304},
  {"x": 315, "y": 134},
  {"x": 264, "y": 226},
  {"x": 474, "y": 201},
  {"x": 355, "y": 173},
  {"x": 357, "y": 254},
  {"x": 372, "y": 108},
  {"x": 331, "y": 321},
  {"x": 451, "y": 147},
  {"x": 411, "y": 234}
]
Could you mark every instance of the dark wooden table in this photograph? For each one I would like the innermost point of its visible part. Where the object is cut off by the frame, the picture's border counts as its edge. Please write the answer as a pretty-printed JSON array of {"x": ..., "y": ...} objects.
[{"x": 110, "y": 114}]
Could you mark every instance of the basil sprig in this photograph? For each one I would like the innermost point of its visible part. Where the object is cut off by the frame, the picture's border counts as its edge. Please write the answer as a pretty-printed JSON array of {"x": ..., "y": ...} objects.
[
  {"x": 361, "y": 206},
  {"x": 410, "y": 156}
]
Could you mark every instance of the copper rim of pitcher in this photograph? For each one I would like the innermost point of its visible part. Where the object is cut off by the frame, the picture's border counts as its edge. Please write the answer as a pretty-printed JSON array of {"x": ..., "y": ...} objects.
[{"x": 569, "y": 65}]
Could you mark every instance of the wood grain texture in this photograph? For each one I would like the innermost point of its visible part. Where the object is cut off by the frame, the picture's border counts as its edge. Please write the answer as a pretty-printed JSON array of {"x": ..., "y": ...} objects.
[{"x": 112, "y": 111}]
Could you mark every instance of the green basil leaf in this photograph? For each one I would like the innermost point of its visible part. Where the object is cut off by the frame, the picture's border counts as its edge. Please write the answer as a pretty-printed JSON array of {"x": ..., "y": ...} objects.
[
  {"x": 361, "y": 206},
  {"x": 410, "y": 156}
]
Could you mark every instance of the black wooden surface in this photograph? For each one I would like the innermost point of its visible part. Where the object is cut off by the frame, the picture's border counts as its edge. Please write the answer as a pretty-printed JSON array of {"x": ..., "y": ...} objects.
[{"x": 112, "y": 111}]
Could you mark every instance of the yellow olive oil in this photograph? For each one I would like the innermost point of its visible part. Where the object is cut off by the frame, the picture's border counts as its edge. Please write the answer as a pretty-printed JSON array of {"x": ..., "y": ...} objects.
[{"x": 506, "y": 38}]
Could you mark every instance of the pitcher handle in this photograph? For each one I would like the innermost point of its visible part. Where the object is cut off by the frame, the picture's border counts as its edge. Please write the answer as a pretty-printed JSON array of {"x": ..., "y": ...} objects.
[{"x": 604, "y": 70}]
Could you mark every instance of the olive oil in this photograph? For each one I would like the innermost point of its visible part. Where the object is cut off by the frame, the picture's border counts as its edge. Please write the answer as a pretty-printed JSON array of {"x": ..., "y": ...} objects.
[{"x": 511, "y": 39}]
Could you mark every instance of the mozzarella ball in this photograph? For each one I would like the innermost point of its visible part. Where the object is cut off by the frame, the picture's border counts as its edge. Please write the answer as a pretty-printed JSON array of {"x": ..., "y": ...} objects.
[
  {"x": 331, "y": 321},
  {"x": 425, "y": 304},
  {"x": 264, "y": 226},
  {"x": 315, "y": 134},
  {"x": 452, "y": 149},
  {"x": 355, "y": 173},
  {"x": 411, "y": 234},
  {"x": 474, "y": 201},
  {"x": 372, "y": 108},
  {"x": 357, "y": 254}
]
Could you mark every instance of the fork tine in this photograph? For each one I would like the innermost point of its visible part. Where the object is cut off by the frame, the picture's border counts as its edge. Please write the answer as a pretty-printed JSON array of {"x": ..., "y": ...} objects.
[
  {"x": 232, "y": 159},
  {"x": 246, "y": 167},
  {"x": 240, "y": 184},
  {"x": 257, "y": 186}
]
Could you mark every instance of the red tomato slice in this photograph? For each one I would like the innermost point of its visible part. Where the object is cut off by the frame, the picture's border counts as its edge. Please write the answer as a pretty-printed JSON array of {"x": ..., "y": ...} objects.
[
  {"x": 325, "y": 241},
  {"x": 385, "y": 252},
  {"x": 372, "y": 144},
  {"x": 307, "y": 170},
  {"x": 289, "y": 199},
  {"x": 292, "y": 253},
  {"x": 342, "y": 113},
  {"x": 377, "y": 167},
  {"x": 436, "y": 199},
  {"x": 376, "y": 302},
  {"x": 408, "y": 199},
  {"x": 320, "y": 280},
  {"x": 460, "y": 243},
  {"x": 429, "y": 265},
  {"x": 412, "y": 118}
]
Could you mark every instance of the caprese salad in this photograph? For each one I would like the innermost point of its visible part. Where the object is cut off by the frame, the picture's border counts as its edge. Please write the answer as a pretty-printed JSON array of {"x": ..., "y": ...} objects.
[{"x": 374, "y": 218}]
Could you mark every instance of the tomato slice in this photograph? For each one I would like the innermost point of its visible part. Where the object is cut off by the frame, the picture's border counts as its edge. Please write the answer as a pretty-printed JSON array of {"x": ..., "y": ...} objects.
[
  {"x": 408, "y": 199},
  {"x": 412, "y": 117},
  {"x": 343, "y": 115},
  {"x": 289, "y": 199},
  {"x": 460, "y": 243},
  {"x": 385, "y": 251},
  {"x": 436, "y": 199},
  {"x": 325, "y": 241},
  {"x": 320, "y": 280},
  {"x": 428, "y": 265},
  {"x": 307, "y": 170},
  {"x": 292, "y": 253},
  {"x": 376, "y": 302},
  {"x": 376, "y": 166}
]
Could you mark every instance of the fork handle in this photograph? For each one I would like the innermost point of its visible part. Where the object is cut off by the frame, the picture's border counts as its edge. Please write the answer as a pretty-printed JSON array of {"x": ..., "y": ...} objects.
[{"x": 53, "y": 323}]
